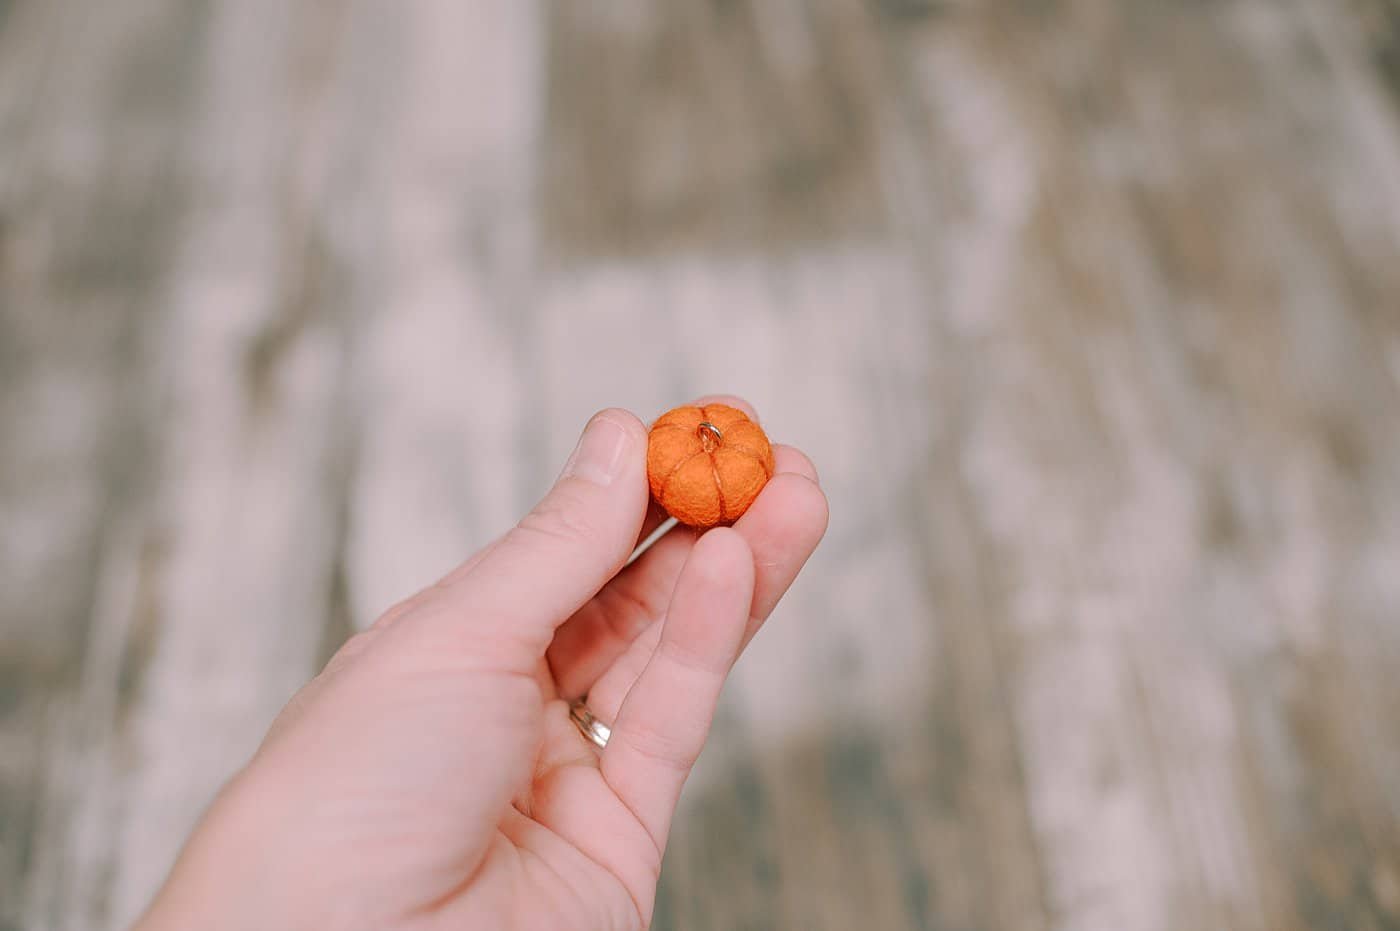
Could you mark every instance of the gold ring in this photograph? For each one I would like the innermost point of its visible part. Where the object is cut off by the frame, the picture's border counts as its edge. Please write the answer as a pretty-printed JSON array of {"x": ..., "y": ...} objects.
[{"x": 593, "y": 730}]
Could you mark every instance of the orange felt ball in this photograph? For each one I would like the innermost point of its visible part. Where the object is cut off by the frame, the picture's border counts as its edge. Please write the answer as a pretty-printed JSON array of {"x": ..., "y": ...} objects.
[{"x": 707, "y": 464}]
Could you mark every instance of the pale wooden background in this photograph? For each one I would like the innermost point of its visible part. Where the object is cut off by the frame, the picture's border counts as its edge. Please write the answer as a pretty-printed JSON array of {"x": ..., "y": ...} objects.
[{"x": 1088, "y": 311}]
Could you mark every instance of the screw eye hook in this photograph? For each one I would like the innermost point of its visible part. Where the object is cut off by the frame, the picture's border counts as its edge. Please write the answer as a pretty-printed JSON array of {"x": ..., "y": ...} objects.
[{"x": 709, "y": 435}]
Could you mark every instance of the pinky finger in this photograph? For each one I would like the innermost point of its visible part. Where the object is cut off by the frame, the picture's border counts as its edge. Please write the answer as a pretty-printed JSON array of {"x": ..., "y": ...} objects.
[{"x": 667, "y": 713}]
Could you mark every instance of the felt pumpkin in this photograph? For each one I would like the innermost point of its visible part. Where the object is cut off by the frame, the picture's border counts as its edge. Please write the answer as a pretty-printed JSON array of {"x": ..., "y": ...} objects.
[{"x": 707, "y": 464}]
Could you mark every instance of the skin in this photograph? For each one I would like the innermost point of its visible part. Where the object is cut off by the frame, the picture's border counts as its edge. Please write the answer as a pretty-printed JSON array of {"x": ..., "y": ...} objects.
[{"x": 430, "y": 776}]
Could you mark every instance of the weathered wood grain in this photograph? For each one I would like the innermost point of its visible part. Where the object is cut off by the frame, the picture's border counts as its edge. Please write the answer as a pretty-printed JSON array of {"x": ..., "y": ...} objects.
[
  {"x": 446, "y": 285},
  {"x": 87, "y": 128},
  {"x": 1087, "y": 312}
]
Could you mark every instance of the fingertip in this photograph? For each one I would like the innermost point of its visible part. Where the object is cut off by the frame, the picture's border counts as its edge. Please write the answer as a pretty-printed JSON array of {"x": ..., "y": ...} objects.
[
  {"x": 790, "y": 505},
  {"x": 723, "y": 555},
  {"x": 790, "y": 459},
  {"x": 628, "y": 421},
  {"x": 803, "y": 513},
  {"x": 816, "y": 506}
]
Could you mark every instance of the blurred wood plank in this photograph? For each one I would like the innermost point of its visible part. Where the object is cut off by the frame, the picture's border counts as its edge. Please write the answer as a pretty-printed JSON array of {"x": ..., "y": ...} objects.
[
  {"x": 227, "y": 522},
  {"x": 1149, "y": 352},
  {"x": 254, "y": 468},
  {"x": 88, "y": 125},
  {"x": 439, "y": 349},
  {"x": 723, "y": 126},
  {"x": 1086, "y": 311}
]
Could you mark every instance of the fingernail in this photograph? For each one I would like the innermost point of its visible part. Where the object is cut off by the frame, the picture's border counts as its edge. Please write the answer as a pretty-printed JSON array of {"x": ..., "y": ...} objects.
[{"x": 598, "y": 456}]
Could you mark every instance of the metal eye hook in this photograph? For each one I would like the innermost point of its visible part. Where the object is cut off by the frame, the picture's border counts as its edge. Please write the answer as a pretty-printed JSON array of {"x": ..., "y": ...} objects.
[{"x": 707, "y": 427}]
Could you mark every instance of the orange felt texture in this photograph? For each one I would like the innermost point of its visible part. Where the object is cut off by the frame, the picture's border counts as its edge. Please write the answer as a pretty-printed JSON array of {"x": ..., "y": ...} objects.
[{"x": 703, "y": 480}]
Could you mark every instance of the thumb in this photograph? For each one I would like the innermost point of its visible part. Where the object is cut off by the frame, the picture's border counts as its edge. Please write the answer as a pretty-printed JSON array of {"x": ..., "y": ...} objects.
[{"x": 562, "y": 552}]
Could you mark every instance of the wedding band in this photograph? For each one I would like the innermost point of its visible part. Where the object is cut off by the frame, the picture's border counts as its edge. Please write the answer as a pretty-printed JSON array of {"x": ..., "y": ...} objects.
[{"x": 593, "y": 730}]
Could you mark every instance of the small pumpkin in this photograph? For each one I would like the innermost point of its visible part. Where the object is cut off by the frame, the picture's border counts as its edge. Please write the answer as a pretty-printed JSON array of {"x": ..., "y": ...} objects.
[{"x": 707, "y": 464}]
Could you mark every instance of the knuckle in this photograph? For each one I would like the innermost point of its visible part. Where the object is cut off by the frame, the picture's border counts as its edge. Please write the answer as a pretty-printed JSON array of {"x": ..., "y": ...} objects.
[
  {"x": 692, "y": 660},
  {"x": 349, "y": 651},
  {"x": 397, "y": 611},
  {"x": 627, "y": 612},
  {"x": 562, "y": 518},
  {"x": 668, "y": 751}
]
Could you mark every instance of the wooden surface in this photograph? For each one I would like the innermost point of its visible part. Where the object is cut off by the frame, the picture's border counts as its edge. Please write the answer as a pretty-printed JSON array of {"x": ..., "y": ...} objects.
[{"x": 1088, "y": 311}]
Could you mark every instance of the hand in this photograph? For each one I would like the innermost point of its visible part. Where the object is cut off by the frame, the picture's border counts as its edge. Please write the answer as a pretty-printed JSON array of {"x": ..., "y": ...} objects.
[{"x": 430, "y": 776}]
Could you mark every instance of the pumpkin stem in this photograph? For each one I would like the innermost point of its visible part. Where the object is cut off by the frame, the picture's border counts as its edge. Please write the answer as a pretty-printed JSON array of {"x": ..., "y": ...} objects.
[{"x": 709, "y": 436}]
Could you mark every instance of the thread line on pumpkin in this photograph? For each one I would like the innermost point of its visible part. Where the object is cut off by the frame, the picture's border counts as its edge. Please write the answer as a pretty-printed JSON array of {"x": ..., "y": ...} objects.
[
  {"x": 729, "y": 421},
  {"x": 740, "y": 447},
  {"x": 666, "y": 480},
  {"x": 719, "y": 488}
]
